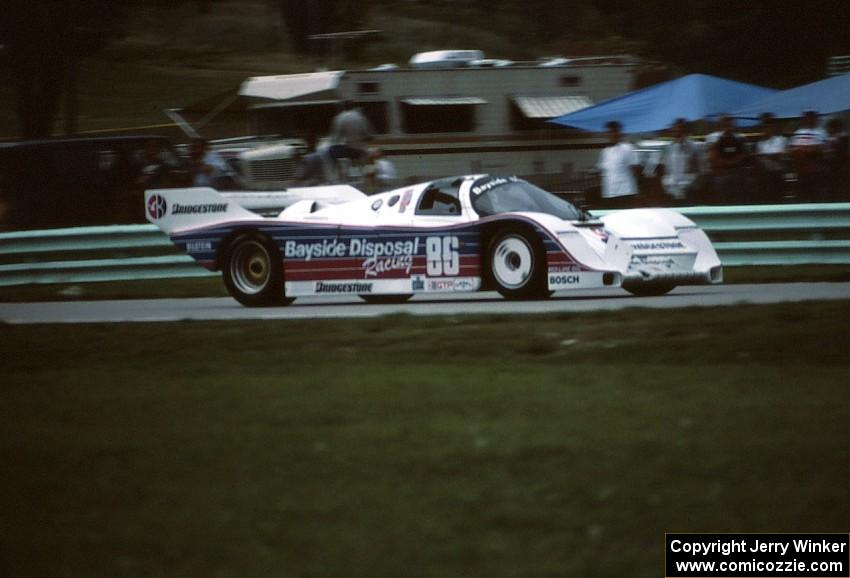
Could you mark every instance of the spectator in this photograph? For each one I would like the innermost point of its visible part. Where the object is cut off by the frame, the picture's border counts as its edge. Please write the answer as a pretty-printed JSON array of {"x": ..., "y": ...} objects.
[
  {"x": 207, "y": 167},
  {"x": 315, "y": 166},
  {"x": 619, "y": 166},
  {"x": 727, "y": 156},
  {"x": 153, "y": 167},
  {"x": 836, "y": 153},
  {"x": 807, "y": 147},
  {"x": 157, "y": 167},
  {"x": 772, "y": 161},
  {"x": 711, "y": 138},
  {"x": 380, "y": 172},
  {"x": 680, "y": 162},
  {"x": 350, "y": 132}
]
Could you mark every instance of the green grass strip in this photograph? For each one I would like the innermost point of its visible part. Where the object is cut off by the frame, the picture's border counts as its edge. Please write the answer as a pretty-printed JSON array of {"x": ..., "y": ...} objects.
[{"x": 561, "y": 445}]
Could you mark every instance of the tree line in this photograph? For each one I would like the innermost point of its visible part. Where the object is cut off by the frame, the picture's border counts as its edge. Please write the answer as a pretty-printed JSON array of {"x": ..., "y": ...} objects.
[{"x": 43, "y": 41}]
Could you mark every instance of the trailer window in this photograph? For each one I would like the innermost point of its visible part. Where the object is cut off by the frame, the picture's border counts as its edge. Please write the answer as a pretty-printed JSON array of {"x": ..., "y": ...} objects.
[
  {"x": 376, "y": 113},
  {"x": 368, "y": 87},
  {"x": 417, "y": 119}
]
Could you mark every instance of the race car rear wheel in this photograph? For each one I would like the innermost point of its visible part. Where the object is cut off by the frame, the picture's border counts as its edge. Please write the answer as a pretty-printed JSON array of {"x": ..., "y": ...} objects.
[
  {"x": 384, "y": 299},
  {"x": 648, "y": 289},
  {"x": 517, "y": 264},
  {"x": 253, "y": 271}
]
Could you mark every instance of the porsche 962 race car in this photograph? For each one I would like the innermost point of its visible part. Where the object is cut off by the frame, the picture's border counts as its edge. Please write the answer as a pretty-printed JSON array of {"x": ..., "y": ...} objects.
[{"x": 457, "y": 234}]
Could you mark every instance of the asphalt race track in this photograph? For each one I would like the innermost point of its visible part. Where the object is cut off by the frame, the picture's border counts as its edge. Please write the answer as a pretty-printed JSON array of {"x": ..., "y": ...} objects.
[{"x": 151, "y": 310}]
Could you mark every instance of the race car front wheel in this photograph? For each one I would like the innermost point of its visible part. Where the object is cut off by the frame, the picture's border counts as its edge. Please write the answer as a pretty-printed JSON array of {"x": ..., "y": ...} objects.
[
  {"x": 253, "y": 271},
  {"x": 517, "y": 264}
]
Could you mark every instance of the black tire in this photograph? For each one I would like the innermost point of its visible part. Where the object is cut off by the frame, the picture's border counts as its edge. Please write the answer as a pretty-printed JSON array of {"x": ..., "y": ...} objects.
[
  {"x": 253, "y": 271},
  {"x": 516, "y": 264},
  {"x": 385, "y": 299},
  {"x": 648, "y": 289}
]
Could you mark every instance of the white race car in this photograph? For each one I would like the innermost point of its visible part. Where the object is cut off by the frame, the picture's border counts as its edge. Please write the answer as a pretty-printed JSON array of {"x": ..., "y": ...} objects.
[{"x": 457, "y": 234}]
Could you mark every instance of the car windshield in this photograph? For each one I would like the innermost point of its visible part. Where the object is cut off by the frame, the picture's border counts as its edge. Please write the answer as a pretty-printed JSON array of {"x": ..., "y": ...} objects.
[{"x": 494, "y": 195}]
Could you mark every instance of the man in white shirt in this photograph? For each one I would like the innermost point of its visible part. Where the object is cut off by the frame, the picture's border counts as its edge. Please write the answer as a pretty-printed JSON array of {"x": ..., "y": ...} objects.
[
  {"x": 681, "y": 162},
  {"x": 380, "y": 172},
  {"x": 350, "y": 132},
  {"x": 772, "y": 157},
  {"x": 208, "y": 168},
  {"x": 807, "y": 146},
  {"x": 618, "y": 164}
]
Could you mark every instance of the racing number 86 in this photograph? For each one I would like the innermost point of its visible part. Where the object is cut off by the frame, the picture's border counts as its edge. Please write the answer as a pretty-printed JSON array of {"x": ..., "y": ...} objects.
[{"x": 441, "y": 255}]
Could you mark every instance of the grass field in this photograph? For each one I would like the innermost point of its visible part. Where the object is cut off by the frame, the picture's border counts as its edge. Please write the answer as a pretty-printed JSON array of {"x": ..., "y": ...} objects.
[{"x": 460, "y": 446}]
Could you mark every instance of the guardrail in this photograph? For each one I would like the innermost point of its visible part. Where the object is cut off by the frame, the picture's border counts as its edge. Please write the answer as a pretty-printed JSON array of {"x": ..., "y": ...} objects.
[
  {"x": 804, "y": 234},
  {"x": 742, "y": 235},
  {"x": 92, "y": 254}
]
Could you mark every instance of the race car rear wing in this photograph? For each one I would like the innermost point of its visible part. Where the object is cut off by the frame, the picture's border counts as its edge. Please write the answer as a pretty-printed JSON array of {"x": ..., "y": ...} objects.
[
  {"x": 178, "y": 209},
  {"x": 273, "y": 202}
]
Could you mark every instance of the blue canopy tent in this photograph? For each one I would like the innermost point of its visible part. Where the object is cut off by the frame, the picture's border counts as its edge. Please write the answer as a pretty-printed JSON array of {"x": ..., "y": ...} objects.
[
  {"x": 827, "y": 96},
  {"x": 692, "y": 97}
]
